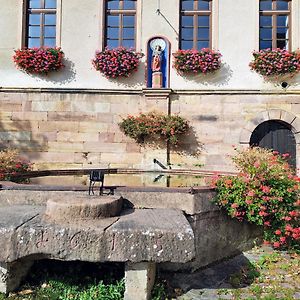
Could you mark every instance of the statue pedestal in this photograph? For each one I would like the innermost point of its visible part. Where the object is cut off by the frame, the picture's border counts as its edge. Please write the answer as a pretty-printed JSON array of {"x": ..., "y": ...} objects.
[{"x": 157, "y": 80}]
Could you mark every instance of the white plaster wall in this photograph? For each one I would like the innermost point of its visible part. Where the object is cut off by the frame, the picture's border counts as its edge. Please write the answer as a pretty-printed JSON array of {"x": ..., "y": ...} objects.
[{"x": 235, "y": 34}]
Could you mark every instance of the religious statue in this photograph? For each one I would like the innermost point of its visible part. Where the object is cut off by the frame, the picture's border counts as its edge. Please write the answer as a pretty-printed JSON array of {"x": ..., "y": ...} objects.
[{"x": 156, "y": 59}]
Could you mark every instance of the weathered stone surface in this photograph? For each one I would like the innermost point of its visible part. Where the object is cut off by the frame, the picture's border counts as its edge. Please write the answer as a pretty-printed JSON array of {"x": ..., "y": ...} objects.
[{"x": 82, "y": 207}]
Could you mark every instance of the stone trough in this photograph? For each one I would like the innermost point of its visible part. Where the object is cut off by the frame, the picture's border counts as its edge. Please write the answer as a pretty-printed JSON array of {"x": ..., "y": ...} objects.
[{"x": 171, "y": 229}]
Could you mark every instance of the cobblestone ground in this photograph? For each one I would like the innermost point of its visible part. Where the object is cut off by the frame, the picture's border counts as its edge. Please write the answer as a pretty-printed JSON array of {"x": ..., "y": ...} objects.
[{"x": 261, "y": 273}]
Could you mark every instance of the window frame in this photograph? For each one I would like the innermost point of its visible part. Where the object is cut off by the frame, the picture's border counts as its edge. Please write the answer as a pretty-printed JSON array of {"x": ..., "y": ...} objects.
[
  {"x": 274, "y": 13},
  {"x": 121, "y": 12},
  {"x": 196, "y": 13}
]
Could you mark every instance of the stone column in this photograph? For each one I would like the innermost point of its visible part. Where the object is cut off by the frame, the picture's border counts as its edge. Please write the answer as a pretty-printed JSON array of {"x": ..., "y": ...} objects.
[
  {"x": 139, "y": 280},
  {"x": 11, "y": 274}
]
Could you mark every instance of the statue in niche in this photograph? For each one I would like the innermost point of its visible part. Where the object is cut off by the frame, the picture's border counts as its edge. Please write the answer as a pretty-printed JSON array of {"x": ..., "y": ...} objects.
[
  {"x": 156, "y": 59},
  {"x": 158, "y": 46}
]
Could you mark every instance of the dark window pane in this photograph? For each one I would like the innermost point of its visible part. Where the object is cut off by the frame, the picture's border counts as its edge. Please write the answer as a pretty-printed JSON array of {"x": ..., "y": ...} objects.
[
  {"x": 203, "y": 33},
  {"x": 35, "y": 4},
  {"x": 203, "y": 21},
  {"x": 265, "y": 5},
  {"x": 265, "y": 44},
  {"x": 50, "y": 31},
  {"x": 265, "y": 20},
  {"x": 282, "y": 20},
  {"x": 282, "y": 33},
  {"x": 128, "y": 33},
  {"x": 34, "y": 31},
  {"x": 187, "y": 33},
  {"x": 188, "y": 5},
  {"x": 34, "y": 19},
  {"x": 266, "y": 33},
  {"x": 113, "y": 21},
  {"x": 187, "y": 21},
  {"x": 34, "y": 42},
  {"x": 50, "y": 3},
  {"x": 186, "y": 45},
  {"x": 128, "y": 21},
  {"x": 282, "y": 44},
  {"x": 113, "y": 32},
  {"x": 129, "y": 4},
  {"x": 49, "y": 42},
  {"x": 203, "y": 5},
  {"x": 202, "y": 44},
  {"x": 112, "y": 44},
  {"x": 282, "y": 5},
  {"x": 112, "y": 4},
  {"x": 50, "y": 19},
  {"x": 128, "y": 43}
]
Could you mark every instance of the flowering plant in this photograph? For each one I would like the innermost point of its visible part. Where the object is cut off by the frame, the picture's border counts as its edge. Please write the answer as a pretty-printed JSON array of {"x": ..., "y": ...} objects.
[
  {"x": 146, "y": 125},
  {"x": 117, "y": 62},
  {"x": 39, "y": 60},
  {"x": 195, "y": 61},
  {"x": 265, "y": 192},
  {"x": 11, "y": 165},
  {"x": 275, "y": 62}
]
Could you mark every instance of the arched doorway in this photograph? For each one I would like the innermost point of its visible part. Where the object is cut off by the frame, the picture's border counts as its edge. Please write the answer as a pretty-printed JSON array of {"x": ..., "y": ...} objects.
[{"x": 276, "y": 135}]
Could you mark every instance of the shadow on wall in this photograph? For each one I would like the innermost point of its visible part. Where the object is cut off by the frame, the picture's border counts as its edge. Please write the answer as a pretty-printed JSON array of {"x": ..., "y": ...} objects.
[{"x": 218, "y": 78}]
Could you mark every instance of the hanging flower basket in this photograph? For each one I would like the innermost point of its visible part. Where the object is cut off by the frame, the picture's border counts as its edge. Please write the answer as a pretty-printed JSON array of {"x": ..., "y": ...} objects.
[
  {"x": 197, "y": 61},
  {"x": 275, "y": 62},
  {"x": 118, "y": 62},
  {"x": 168, "y": 127},
  {"x": 39, "y": 60}
]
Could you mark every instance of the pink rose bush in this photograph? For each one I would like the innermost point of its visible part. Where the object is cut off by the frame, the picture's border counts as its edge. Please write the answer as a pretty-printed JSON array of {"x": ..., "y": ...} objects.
[
  {"x": 118, "y": 62},
  {"x": 275, "y": 62},
  {"x": 39, "y": 60},
  {"x": 265, "y": 192},
  {"x": 197, "y": 61}
]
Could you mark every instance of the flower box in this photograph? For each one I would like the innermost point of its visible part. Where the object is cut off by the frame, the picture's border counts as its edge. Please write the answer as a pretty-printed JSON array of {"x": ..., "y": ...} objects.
[
  {"x": 197, "y": 61},
  {"x": 118, "y": 62},
  {"x": 39, "y": 60},
  {"x": 275, "y": 62}
]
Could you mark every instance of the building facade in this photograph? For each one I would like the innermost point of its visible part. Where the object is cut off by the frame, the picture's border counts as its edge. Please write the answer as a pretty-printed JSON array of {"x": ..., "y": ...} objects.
[{"x": 69, "y": 119}]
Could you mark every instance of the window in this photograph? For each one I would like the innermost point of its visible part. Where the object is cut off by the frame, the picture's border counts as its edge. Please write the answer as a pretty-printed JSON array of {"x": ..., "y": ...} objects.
[
  {"x": 120, "y": 23},
  {"x": 41, "y": 23},
  {"x": 274, "y": 24},
  {"x": 195, "y": 20}
]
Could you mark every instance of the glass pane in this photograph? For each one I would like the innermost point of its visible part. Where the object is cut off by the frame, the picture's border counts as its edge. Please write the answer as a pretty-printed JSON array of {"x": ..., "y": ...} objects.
[
  {"x": 187, "y": 21},
  {"x": 282, "y": 44},
  {"x": 128, "y": 43},
  {"x": 113, "y": 4},
  {"x": 187, "y": 33},
  {"x": 49, "y": 42},
  {"x": 35, "y": 4},
  {"x": 128, "y": 21},
  {"x": 50, "y": 19},
  {"x": 187, "y": 5},
  {"x": 34, "y": 42},
  {"x": 113, "y": 32},
  {"x": 129, "y": 4},
  {"x": 50, "y": 31},
  {"x": 34, "y": 19},
  {"x": 113, "y": 21},
  {"x": 202, "y": 44},
  {"x": 34, "y": 31},
  {"x": 265, "y": 20},
  {"x": 265, "y": 45},
  {"x": 282, "y": 5},
  {"x": 128, "y": 33},
  {"x": 282, "y": 20},
  {"x": 203, "y": 33},
  {"x": 112, "y": 44},
  {"x": 50, "y": 3},
  {"x": 265, "y": 33},
  {"x": 203, "y": 21},
  {"x": 265, "y": 5},
  {"x": 203, "y": 4},
  {"x": 186, "y": 45},
  {"x": 282, "y": 33}
]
